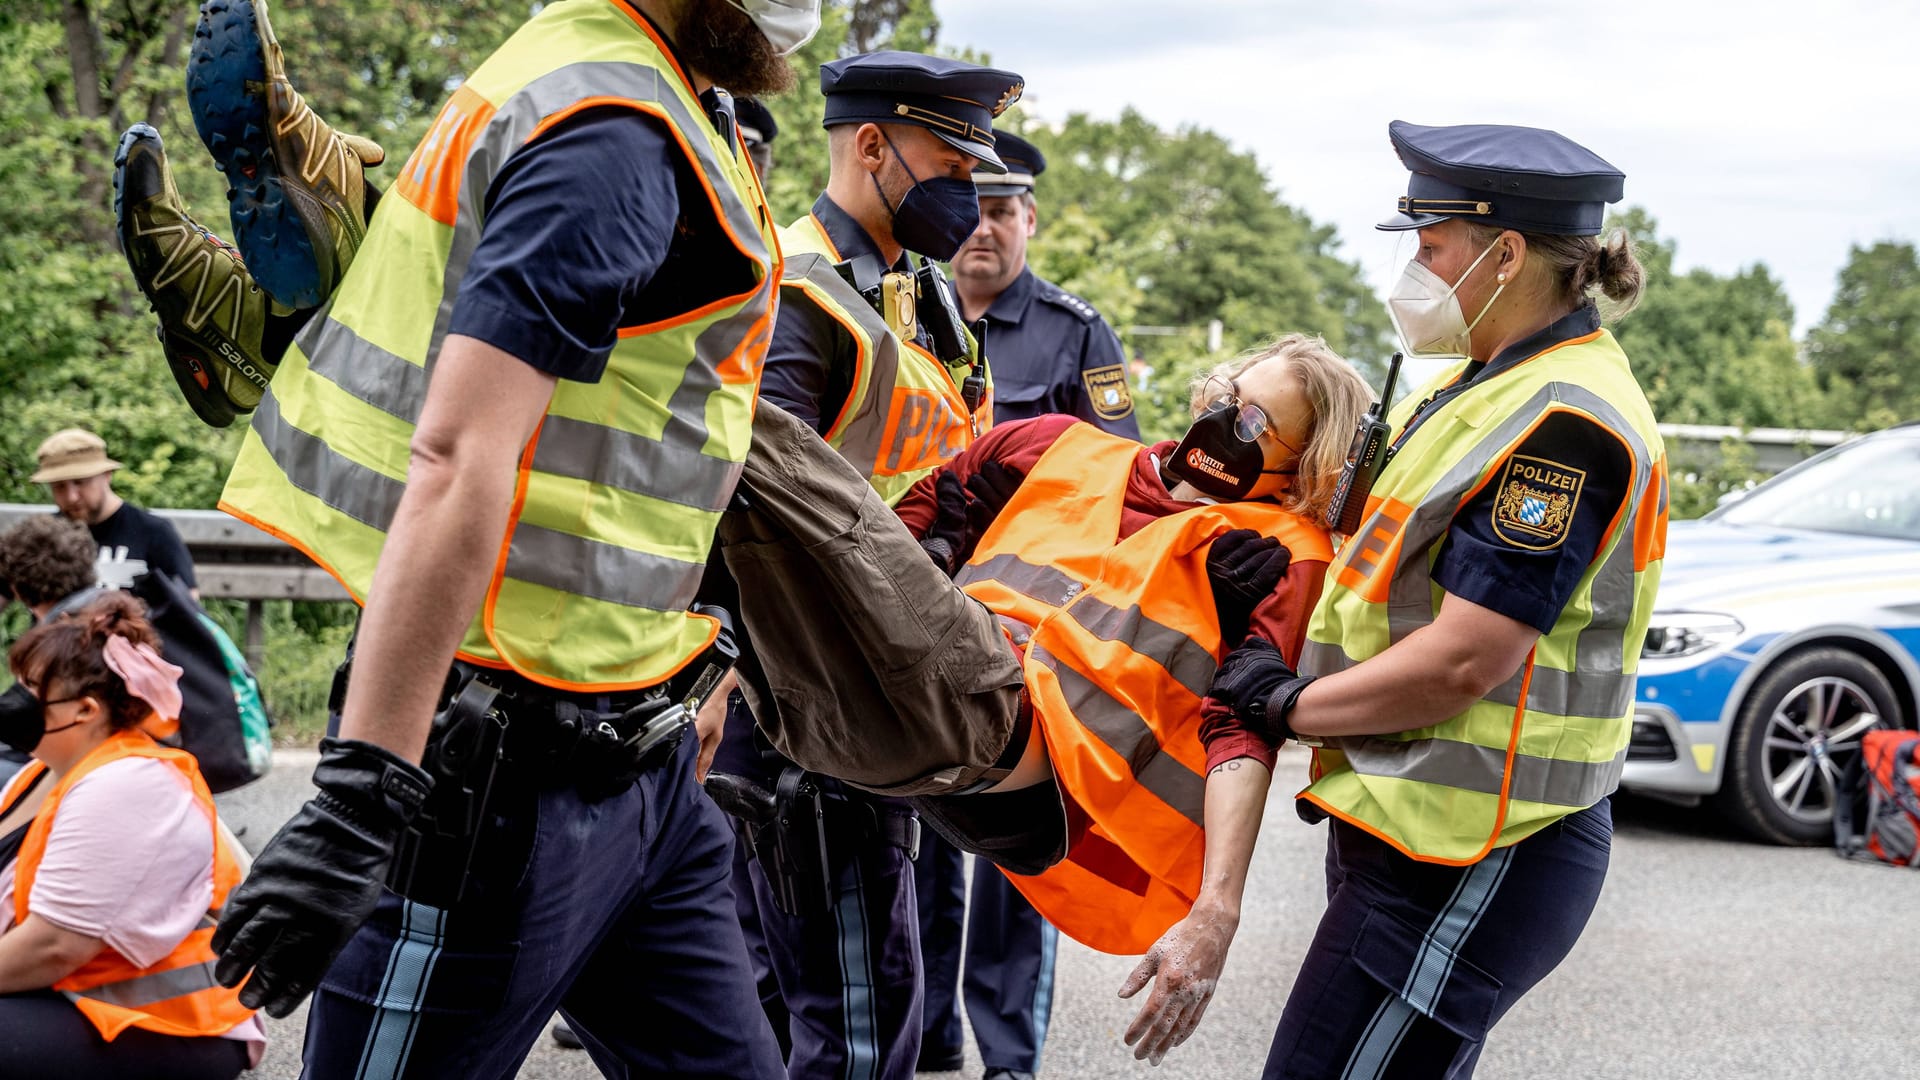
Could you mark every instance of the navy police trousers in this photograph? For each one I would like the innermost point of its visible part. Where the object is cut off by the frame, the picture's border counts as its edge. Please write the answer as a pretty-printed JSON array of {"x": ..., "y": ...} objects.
[
  {"x": 618, "y": 913},
  {"x": 1009, "y": 951},
  {"x": 1414, "y": 962}
]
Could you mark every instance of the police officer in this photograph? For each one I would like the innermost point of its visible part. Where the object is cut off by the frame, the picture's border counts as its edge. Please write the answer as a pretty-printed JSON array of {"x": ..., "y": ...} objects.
[
  {"x": 522, "y": 494},
  {"x": 1468, "y": 676},
  {"x": 1052, "y": 352},
  {"x": 758, "y": 129},
  {"x": 873, "y": 376}
]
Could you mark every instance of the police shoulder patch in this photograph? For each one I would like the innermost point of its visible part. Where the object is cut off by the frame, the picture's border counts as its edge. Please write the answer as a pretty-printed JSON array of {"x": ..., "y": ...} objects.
[
  {"x": 1108, "y": 391},
  {"x": 1065, "y": 299},
  {"x": 1534, "y": 500}
]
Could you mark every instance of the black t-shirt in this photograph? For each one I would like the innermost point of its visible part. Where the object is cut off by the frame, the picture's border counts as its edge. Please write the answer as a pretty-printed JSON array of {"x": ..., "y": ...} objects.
[{"x": 133, "y": 541}]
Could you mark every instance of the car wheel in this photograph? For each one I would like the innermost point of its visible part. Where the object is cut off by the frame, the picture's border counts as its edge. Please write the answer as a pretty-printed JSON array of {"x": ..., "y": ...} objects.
[{"x": 1797, "y": 731}]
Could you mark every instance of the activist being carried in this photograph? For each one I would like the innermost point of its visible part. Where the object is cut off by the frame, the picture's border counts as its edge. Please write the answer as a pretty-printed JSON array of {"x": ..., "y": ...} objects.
[{"x": 1044, "y": 708}]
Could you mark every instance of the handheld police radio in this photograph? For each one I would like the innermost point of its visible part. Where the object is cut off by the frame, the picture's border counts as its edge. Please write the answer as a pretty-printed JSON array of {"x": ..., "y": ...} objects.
[
  {"x": 949, "y": 333},
  {"x": 1364, "y": 460}
]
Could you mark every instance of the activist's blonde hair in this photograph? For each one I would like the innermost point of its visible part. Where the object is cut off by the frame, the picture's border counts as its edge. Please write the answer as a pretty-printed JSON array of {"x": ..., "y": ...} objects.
[{"x": 1335, "y": 392}]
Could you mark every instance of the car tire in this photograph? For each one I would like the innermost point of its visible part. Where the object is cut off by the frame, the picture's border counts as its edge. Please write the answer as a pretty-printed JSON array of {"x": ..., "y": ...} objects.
[{"x": 1823, "y": 699}]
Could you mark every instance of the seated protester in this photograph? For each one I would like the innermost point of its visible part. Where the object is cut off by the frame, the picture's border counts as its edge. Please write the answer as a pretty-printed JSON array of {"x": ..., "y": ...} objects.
[
  {"x": 113, "y": 862},
  {"x": 44, "y": 559},
  {"x": 1113, "y": 578}
]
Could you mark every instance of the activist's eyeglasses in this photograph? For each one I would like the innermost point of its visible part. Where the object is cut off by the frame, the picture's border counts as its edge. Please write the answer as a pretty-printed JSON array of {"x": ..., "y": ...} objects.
[{"x": 1250, "y": 422}]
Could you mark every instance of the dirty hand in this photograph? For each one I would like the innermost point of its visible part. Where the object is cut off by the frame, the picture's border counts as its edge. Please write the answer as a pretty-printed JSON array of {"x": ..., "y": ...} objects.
[{"x": 1184, "y": 966}]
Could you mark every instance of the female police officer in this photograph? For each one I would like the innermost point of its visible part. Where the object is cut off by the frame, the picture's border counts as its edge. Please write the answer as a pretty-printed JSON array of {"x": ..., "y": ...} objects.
[{"x": 1469, "y": 671}]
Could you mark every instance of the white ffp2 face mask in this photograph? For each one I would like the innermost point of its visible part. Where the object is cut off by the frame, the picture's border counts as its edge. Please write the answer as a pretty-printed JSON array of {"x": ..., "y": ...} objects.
[
  {"x": 1426, "y": 311},
  {"x": 787, "y": 24}
]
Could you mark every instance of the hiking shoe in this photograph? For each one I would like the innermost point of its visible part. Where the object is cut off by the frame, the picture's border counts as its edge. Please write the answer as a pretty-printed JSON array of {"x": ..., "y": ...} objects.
[
  {"x": 296, "y": 187},
  {"x": 212, "y": 315}
]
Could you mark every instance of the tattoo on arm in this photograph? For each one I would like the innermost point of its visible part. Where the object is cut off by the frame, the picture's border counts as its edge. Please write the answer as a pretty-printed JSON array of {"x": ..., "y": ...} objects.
[{"x": 1229, "y": 766}]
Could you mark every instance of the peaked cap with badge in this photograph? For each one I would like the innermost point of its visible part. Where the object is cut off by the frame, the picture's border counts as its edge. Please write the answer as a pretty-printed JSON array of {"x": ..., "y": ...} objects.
[
  {"x": 1024, "y": 163},
  {"x": 1522, "y": 178},
  {"x": 953, "y": 99}
]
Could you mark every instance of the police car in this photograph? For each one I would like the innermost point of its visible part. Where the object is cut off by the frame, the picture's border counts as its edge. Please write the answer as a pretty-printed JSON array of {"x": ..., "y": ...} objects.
[{"x": 1788, "y": 624}]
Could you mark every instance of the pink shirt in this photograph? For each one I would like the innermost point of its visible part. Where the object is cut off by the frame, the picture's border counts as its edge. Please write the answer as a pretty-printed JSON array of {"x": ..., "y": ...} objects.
[{"x": 129, "y": 861}]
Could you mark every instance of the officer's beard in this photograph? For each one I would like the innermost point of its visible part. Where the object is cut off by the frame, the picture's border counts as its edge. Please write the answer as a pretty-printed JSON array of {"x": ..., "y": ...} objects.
[{"x": 719, "y": 41}]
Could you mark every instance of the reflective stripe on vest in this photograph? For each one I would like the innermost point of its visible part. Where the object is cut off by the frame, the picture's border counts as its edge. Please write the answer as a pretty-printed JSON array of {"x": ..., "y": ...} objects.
[
  {"x": 177, "y": 994},
  {"x": 904, "y": 412},
  {"x": 1123, "y": 645},
  {"x": 1553, "y": 738},
  {"x": 618, "y": 497}
]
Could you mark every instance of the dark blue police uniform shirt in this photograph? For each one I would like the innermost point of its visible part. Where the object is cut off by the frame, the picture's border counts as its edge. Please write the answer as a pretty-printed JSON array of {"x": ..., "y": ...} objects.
[
  {"x": 1526, "y": 562},
  {"x": 598, "y": 225},
  {"x": 811, "y": 358},
  {"x": 1051, "y": 352}
]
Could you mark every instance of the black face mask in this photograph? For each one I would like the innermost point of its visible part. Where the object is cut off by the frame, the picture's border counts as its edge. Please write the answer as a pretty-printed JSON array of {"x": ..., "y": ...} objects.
[
  {"x": 23, "y": 719},
  {"x": 935, "y": 216},
  {"x": 1213, "y": 458}
]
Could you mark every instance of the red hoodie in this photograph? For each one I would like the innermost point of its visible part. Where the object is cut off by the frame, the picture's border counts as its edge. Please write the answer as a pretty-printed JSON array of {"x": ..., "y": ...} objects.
[{"x": 1281, "y": 618}]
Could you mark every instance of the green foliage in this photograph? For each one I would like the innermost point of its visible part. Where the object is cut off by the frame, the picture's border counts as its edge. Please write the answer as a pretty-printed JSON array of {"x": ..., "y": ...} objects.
[
  {"x": 1715, "y": 350},
  {"x": 303, "y": 643},
  {"x": 1692, "y": 492},
  {"x": 1173, "y": 230},
  {"x": 1164, "y": 231},
  {"x": 1866, "y": 349}
]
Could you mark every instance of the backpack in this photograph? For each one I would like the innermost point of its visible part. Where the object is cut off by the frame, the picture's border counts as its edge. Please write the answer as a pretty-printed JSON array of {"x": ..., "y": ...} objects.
[
  {"x": 1884, "y": 779},
  {"x": 223, "y": 722}
]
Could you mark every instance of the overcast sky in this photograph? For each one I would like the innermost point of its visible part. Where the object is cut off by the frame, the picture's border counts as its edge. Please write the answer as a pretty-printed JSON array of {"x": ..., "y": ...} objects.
[{"x": 1754, "y": 132}]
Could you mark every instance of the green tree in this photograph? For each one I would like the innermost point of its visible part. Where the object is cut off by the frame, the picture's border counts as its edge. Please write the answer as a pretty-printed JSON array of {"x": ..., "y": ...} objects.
[
  {"x": 1866, "y": 347},
  {"x": 76, "y": 346},
  {"x": 1174, "y": 230},
  {"x": 1710, "y": 349}
]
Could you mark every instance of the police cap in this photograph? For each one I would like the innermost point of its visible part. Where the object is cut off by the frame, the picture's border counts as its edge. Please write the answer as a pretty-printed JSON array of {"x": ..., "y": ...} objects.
[
  {"x": 1023, "y": 160},
  {"x": 1528, "y": 179},
  {"x": 951, "y": 98},
  {"x": 756, "y": 124}
]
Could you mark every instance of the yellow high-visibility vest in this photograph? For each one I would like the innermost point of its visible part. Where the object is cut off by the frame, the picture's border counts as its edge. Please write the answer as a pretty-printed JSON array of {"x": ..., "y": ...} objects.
[
  {"x": 1551, "y": 740},
  {"x": 621, "y": 488}
]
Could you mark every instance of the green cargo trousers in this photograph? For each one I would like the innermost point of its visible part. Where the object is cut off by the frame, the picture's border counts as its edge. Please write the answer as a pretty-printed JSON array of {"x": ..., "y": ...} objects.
[{"x": 878, "y": 670}]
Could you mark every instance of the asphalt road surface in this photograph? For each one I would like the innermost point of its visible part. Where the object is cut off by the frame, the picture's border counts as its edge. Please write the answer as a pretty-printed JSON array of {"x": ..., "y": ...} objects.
[{"x": 1709, "y": 957}]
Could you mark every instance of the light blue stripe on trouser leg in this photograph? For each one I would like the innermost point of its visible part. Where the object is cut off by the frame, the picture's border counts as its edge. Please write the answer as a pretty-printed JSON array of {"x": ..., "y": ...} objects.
[
  {"x": 856, "y": 980},
  {"x": 403, "y": 990},
  {"x": 1430, "y": 968},
  {"x": 1043, "y": 986}
]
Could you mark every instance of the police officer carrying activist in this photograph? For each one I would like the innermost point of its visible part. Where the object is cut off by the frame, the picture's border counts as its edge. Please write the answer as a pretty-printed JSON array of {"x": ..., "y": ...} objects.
[
  {"x": 511, "y": 434},
  {"x": 1052, "y": 352},
  {"x": 1468, "y": 677},
  {"x": 868, "y": 350}
]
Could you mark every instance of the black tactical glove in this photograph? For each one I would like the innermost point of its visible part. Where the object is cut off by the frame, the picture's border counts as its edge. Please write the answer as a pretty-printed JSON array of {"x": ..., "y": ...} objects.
[
  {"x": 1256, "y": 683},
  {"x": 989, "y": 491},
  {"x": 320, "y": 877},
  {"x": 946, "y": 538},
  {"x": 1243, "y": 568}
]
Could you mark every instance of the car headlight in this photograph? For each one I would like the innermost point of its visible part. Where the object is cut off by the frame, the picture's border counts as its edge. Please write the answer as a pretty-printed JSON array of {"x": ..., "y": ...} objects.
[{"x": 1683, "y": 633}]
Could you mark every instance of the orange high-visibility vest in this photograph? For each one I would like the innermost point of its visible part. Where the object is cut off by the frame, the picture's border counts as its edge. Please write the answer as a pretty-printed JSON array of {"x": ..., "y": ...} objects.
[
  {"x": 1122, "y": 643},
  {"x": 178, "y": 995}
]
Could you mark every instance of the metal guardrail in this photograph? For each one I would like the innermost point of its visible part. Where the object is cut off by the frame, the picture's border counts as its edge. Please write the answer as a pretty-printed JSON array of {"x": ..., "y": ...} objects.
[
  {"x": 1698, "y": 445},
  {"x": 232, "y": 560}
]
